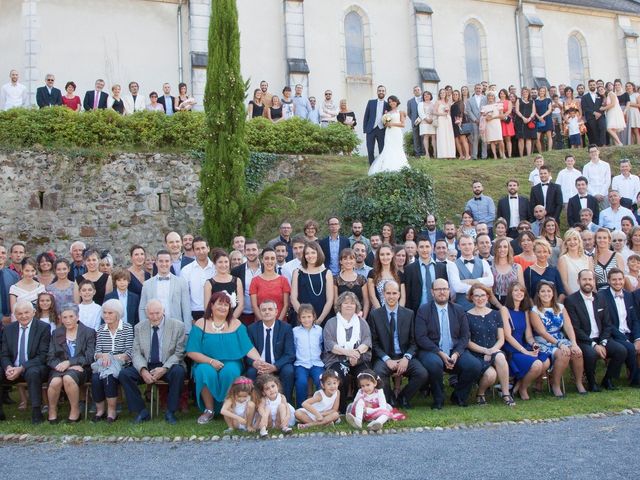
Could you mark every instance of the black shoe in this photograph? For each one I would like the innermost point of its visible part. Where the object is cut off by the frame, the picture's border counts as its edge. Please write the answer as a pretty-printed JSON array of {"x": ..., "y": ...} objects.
[
  {"x": 607, "y": 384},
  {"x": 36, "y": 417},
  {"x": 456, "y": 400},
  {"x": 143, "y": 416},
  {"x": 403, "y": 403},
  {"x": 2, "y": 416},
  {"x": 170, "y": 418},
  {"x": 98, "y": 418},
  {"x": 437, "y": 406},
  {"x": 634, "y": 384},
  {"x": 593, "y": 387},
  {"x": 54, "y": 421}
]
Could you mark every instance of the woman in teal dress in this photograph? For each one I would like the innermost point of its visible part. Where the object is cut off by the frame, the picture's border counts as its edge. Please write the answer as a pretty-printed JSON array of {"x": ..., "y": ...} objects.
[{"x": 217, "y": 344}]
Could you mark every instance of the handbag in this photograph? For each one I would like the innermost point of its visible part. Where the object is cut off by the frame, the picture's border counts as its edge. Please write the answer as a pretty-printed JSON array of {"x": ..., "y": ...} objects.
[
  {"x": 466, "y": 129},
  {"x": 531, "y": 125},
  {"x": 508, "y": 119},
  {"x": 541, "y": 124}
]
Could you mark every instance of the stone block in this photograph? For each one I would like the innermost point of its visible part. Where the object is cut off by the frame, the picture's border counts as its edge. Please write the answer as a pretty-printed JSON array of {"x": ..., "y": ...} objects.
[
  {"x": 87, "y": 231},
  {"x": 51, "y": 201},
  {"x": 34, "y": 201}
]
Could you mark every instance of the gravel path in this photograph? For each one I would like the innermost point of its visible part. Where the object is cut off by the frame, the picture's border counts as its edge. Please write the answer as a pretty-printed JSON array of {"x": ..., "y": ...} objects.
[{"x": 579, "y": 448}]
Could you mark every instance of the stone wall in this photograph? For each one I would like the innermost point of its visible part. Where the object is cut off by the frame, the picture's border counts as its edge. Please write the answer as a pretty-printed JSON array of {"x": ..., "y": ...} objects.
[{"x": 50, "y": 199}]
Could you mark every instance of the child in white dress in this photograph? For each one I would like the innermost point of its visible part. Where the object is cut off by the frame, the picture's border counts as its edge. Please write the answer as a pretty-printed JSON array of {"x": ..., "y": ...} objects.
[
  {"x": 370, "y": 404},
  {"x": 322, "y": 408},
  {"x": 273, "y": 408},
  {"x": 90, "y": 313},
  {"x": 238, "y": 409}
]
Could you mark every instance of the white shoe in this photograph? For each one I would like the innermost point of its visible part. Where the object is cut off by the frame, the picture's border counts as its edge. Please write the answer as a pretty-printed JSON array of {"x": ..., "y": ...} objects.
[
  {"x": 375, "y": 426},
  {"x": 263, "y": 432},
  {"x": 353, "y": 421},
  {"x": 286, "y": 430}
]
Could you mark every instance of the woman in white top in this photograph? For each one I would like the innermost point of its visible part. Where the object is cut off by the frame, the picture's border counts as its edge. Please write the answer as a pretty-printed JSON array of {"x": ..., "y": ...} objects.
[
  {"x": 493, "y": 113},
  {"x": 572, "y": 261},
  {"x": 27, "y": 288},
  {"x": 615, "y": 117},
  {"x": 427, "y": 128},
  {"x": 633, "y": 112},
  {"x": 445, "y": 140}
]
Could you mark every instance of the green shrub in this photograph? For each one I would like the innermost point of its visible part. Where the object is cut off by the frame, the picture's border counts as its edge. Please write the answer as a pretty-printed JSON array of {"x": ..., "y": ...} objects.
[
  {"x": 402, "y": 198},
  {"x": 61, "y": 127},
  {"x": 408, "y": 143}
]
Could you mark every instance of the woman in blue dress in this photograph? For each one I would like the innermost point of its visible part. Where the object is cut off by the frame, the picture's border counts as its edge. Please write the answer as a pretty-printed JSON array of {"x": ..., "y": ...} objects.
[
  {"x": 217, "y": 344},
  {"x": 544, "y": 120},
  {"x": 555, "y": 335},
  {"x": 526, "y": 361},
  {"x": 541, "y": 270}
]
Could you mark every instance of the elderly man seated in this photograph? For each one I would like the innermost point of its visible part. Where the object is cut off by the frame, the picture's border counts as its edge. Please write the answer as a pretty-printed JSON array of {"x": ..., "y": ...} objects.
[
  {"x": 158, "y": 354},
  {"x": 23, "y": 357}
]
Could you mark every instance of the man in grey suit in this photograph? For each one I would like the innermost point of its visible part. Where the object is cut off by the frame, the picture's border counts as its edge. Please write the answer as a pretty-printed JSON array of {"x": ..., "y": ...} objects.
[
  {"x": 412, "y": 113},
  {"x": 158, "y": 354},
  {"x": 172, "y": 291},
  {"x": 472, "y": 109}
]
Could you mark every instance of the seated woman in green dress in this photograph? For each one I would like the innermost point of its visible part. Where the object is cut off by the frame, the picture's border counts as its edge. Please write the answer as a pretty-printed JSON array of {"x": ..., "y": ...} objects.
[{"x": 217, "y": 344}]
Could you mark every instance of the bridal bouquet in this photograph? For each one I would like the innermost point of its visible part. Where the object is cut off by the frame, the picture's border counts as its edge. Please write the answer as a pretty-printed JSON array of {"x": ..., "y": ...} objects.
[{"x": 386, "y": 119}]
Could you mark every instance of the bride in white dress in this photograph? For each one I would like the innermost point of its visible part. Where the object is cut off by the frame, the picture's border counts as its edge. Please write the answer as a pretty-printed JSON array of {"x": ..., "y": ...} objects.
[{"x": 392, "y": 158}]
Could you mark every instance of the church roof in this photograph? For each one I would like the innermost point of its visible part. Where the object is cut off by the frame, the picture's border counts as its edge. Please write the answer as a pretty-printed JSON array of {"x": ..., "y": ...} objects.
[{"x": 626, "y": 6}]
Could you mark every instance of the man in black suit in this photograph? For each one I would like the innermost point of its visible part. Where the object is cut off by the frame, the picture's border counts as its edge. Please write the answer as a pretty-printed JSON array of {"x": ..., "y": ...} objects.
[
  {"x": 130, "y": 301},
  {"x": 419, "y": 276},
  {"x": 48, "y": 96},
  {"x": 23, "y": 356},
  {"x": 592, "y": 327},
  {"x": 246, "y": 272},
  {"x": 274, "y": 341},
  {"x": 439, "y": 352},
  {"x": 394, "y": 346},
  {"x": 513, "y": 208},
  {"x": 372, "y": 124},
  {"x": 167, "y": 100},
  {"x": 547, "y": 194},
  {"x": 625, "y": 323},
  {"x": 95, "y": 99},
  {"x": 596, "y": 121},
  {"x": 333, "y": 244},
  {"x": 580, "y": 201}
]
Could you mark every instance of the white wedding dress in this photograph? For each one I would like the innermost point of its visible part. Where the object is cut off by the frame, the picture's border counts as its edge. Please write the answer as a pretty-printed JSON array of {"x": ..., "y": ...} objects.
[{"x": 392, "y": 158}]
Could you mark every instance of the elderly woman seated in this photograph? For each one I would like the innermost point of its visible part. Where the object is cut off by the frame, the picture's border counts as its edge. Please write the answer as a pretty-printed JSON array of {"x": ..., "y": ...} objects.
[
  {"x": 114, "y": 345},
  {"x": 70, "y": 355}
]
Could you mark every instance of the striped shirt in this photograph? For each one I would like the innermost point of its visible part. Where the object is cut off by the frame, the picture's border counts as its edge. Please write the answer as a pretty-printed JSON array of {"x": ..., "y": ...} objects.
[{"x": 121, "y": 342}]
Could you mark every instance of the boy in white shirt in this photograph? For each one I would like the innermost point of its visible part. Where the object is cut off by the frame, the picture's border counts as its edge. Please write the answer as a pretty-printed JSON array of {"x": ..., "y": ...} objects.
[
  {"x": 567, "y": 178},
  {"x": 534, "y": 176}
]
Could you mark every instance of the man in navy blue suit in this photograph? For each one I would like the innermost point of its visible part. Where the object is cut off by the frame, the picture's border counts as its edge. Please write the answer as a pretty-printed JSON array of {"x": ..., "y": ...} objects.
[
  {"x": 625, "y": 322},
  {"x": 333, "y": 244},
  {"x": 373, "y": 127},
  {"x": 274, "y": 341}
]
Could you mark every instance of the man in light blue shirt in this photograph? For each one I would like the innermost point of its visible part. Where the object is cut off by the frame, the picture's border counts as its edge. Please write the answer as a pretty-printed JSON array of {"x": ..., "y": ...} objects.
[
  {"x": 302, "y": 104},
  {"x": 314, "y": 113},
  {"x": 481, "y": 207},
  {"x": 611, "y": 217}
]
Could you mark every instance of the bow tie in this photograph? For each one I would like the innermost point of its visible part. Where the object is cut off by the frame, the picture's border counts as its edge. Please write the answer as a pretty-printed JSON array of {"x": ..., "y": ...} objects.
[
  {"x": 473, "y": 260},
  {"x": 583, "y": 197},
  {"x": 619, "y": 295},
  {"x": 544, "y": 184},
  {"x": 160, "y": 279},
  {"x": 477, "y": 199},
  {"x": 514, "y": 198}
]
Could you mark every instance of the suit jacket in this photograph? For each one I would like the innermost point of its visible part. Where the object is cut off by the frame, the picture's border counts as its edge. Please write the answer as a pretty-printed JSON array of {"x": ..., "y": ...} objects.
[
  {"x": 413, "y": 282},
  {"x": 428, "y": 328},
  {"x": 554, "y": 200},
  {"x": 439, "y": 235},
  {"x": 37, "y": 348},
  {"x": 284, "y": 350},
  {"x": 138, "y": 106},
  {"x": 46, "y": 99},
  {"x": 589, "y": 107},
  {"x": 172, "y": 346},
  {"x": 412, "y": 109},
  {"x": 184, "y": 261},
  {"x": 133, "y": 304},
  {"x": 179, "y": 303},
  {"x": 381, "y": 333},
  {"x": 574, "y": 206},
  {"x": 471, "y": 108},
  {"x": 324, "y": 244},
  {"x": 89, "y": 98},
  {"x": 239, "y": 272},
  {"x": 505, "y": 212},
  {"x": 85, "y": 347},
  {"x": 161, "y": 101},
  {"x": 7, "y": 277},
  {"x": 577, "y": 311},
  {"x": 369, "y": 122},
  {"x": 633, "y": 321}
]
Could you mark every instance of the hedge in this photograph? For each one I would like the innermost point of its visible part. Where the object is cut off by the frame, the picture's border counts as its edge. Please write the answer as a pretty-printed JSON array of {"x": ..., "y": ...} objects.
[{"x": 61, "y": 127}]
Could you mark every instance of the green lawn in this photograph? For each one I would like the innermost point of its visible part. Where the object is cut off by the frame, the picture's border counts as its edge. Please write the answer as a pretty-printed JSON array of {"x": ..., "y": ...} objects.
[
  {"x": 541, "y": 406},
  {"x": 316, "y": 190}
]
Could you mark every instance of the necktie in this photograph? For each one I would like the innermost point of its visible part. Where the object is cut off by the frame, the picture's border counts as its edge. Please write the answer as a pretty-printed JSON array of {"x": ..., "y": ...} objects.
[
  {"x": 392, "y": 330},
  {"x": 426, "y": 286},
  {"x": 154, "y": 356},
  {"x": 445, "y": 332},
  {"x": 22, "y": 351},
  {"x": 279, "y": 270},
  {"x": 96, "y": 98},
  {"x": 267, "y": 347}
]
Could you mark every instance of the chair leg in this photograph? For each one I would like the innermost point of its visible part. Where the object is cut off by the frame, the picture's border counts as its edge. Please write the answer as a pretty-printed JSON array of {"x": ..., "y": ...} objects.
[
  {"x": 152, "y": 395},
  {"x": 86, "y": 404}
]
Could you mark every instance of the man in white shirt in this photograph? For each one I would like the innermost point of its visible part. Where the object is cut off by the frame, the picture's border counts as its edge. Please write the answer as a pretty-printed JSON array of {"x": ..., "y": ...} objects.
[
  {"x": 297, "y": 245},
  {"x": 534, "y": 175},
  {"x": 598, "y": 175},
  {"x": 567, "y": 178},
  {"x": 626, "y": 183},
  {"x": 13, "y": 94},
  {"x": 611, "y": 217},
  {"x": 314, "y": 113},
  {"x": 471, "y": 269},
  {"x": 196, "y": 275}
]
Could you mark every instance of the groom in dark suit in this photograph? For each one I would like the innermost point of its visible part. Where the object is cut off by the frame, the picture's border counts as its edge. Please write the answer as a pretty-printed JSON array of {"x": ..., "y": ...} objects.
[
  {"x": 373, "y": 127},
  {"x": 513, "y": 211},
  {"x": 547, "y": 194},
  {"x": 596, "y": 121}
]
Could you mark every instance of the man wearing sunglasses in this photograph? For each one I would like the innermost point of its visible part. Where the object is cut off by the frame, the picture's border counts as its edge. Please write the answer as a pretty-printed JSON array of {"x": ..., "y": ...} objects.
[{"x": 48, "y": 96}]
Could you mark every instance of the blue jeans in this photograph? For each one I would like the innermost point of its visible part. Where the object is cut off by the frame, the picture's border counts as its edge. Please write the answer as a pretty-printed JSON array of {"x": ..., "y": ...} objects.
[{"x": 302, "y": 379}]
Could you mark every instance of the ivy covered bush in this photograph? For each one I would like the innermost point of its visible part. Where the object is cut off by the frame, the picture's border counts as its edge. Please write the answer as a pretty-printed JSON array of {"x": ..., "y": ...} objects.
[
  {"x": 61, "y": 127},
  {"x": 401, "y": 198}
]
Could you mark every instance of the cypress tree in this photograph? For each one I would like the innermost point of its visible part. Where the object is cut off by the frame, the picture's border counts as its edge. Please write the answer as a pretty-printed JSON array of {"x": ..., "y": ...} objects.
[{"x": 222, "y": 179}]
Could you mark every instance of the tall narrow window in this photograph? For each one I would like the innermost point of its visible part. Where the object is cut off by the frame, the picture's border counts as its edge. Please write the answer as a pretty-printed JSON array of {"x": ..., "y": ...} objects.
[
  {"x": 354, "y": 41},
  {"x": 473, "y": 54},
  {"x": 576, "y": 61}
]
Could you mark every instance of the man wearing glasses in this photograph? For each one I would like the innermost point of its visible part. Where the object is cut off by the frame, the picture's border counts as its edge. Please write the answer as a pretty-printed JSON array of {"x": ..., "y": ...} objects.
[
  {"x": 48, "y": 96},
  {"x": 611, "y": 217},
  {"x": 329, "y": 111}
]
